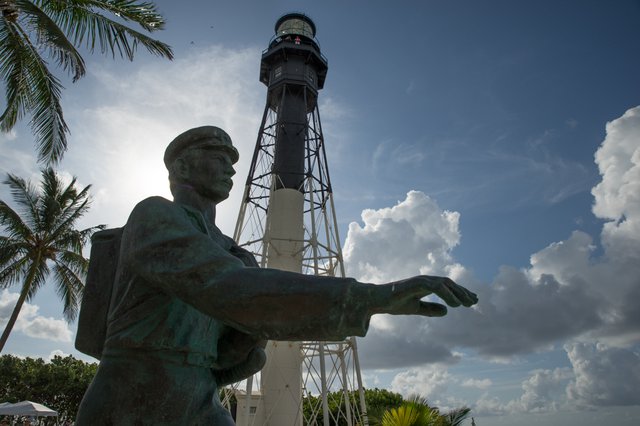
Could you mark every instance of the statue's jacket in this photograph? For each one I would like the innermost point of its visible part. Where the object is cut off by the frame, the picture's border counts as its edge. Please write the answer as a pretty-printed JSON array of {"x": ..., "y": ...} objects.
[{"x": 182, "y": 285}]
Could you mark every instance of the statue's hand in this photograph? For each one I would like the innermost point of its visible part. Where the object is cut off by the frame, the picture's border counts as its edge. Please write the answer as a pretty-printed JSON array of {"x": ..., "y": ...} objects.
[
  {"x": 235, "y": 346},
  {"x": 403, "y": 297},
  {"x": 240, "y": 355},
  {"x": 246, "y": 368}
]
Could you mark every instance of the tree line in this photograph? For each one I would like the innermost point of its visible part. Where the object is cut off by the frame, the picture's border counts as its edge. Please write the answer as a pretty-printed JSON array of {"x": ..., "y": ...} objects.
[{"x": 61, "y": 383}]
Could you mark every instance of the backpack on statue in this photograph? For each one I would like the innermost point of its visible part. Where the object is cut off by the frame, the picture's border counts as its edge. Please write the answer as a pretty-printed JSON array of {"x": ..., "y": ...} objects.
[{"x": 103, "y": 263}]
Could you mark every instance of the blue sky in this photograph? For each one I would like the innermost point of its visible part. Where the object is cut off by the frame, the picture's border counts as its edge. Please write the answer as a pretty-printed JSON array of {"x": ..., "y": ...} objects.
[{"x": 464, "y": 132}]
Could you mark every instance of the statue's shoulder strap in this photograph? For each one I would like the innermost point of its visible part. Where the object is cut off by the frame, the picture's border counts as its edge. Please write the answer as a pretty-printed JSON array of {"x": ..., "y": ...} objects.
[{"x": 103, "y": 263}]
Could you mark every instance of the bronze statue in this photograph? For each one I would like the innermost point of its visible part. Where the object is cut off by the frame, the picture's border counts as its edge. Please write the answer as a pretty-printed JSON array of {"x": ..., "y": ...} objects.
[{"x": 190, "y": 310}]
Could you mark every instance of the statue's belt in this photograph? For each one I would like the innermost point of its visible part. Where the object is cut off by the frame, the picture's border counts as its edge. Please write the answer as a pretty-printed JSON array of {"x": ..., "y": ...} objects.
[{"x": 182, "y": 358}]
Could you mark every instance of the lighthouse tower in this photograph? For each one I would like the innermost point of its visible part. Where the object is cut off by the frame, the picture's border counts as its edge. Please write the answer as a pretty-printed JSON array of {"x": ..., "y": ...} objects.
[{"x": 287, "y": 220}]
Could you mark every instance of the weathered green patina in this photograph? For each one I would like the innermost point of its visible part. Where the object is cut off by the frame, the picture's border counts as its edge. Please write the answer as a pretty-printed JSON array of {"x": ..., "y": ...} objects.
[{"x": 190, "y": 310}]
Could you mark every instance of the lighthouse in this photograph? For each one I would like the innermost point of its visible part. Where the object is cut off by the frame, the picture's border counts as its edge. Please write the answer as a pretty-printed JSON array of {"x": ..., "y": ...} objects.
[{"x": 287, "y": 220}]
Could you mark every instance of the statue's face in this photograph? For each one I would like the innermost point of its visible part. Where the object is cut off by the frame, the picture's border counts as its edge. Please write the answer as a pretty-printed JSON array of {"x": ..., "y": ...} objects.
[{"x": 209, "y": 172}]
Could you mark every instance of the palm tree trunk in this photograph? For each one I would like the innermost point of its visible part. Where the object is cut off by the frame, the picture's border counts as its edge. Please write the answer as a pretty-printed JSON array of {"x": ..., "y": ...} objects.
[{"x": 16, "y": 311}]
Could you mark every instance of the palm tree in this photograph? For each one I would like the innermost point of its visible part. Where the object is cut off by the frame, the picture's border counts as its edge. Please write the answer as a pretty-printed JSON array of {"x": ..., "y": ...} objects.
[
  {"x": 416, "y": 411},
  {"x": 43, "y": 239},
  {"x": 455, "y": 417},
  {"x": 54, "y": 28},
  {"x": 413, "y": 412}
]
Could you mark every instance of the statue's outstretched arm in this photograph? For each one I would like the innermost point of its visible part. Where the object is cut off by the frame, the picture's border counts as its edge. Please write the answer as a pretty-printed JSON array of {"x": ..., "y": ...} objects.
[{"x": 171, "y": 253}]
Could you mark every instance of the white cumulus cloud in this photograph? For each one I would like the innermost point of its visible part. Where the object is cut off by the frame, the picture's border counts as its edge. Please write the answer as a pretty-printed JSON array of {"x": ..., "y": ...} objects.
[
  {"x": 568, "y": 293},
  {"x": 428, "y": 382},
  {"x": 599, "y": 376},
  {"x": 604, "y": 375},
  {"x": 30, "y": 323},
  {"x": 413, "y": 237},
  {"x": 618, "y": 158},
  {"x": 543, "y": 391}
]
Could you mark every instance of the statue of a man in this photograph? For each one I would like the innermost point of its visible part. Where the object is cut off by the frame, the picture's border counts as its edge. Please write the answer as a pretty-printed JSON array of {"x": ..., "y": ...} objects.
[{"x": 191, "y": 310}]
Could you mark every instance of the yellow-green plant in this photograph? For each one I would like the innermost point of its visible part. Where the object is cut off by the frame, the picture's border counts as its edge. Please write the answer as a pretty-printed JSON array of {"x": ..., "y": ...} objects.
[{"x": 413, "y": 412}]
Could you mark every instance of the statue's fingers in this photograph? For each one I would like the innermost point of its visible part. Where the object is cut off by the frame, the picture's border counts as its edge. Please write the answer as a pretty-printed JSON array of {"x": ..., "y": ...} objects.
[
  {"x": 429, "y": 309},
  {"x": 470, "y": 298},
  {"x": 466, "y": 297},
  {"x": 446, "y": 292}
]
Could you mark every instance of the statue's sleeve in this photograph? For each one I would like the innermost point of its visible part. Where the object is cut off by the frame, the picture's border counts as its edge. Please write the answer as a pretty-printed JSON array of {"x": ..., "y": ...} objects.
[{"x": 168, "y": 251}]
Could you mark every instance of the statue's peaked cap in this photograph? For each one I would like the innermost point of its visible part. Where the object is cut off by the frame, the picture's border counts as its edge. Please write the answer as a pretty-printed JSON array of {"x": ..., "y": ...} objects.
[{"x": 200, "y": 136}]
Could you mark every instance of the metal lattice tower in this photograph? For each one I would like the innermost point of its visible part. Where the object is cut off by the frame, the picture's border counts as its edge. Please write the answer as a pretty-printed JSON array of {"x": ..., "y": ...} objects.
[{"x": 287, "y": 220}]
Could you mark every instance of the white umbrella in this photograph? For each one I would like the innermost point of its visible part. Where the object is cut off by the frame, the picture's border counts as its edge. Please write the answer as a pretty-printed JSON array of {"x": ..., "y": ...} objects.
[{"x": 26, "y": 408}]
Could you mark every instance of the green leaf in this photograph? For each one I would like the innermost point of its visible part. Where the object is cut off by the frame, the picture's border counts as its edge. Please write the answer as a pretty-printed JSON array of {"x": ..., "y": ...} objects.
[
  {"x": 52, "y": 39},
  {"x": 56, "y": 27},
  {"x": 88, "y": 27}
]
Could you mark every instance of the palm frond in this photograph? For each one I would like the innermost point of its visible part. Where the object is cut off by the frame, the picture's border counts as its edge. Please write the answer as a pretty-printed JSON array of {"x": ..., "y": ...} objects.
[
  {"x": 66, "y": 217},
  {"x": 43, "y": 91},
  {"x": 96, "y": 30},
  {"x": 405, "y": 415},
  {"x": 69, "y": 288},
  {"x": 12, "y": 223},
  {"x": 74, "y": 261},
  {"x": 457, "y": 416},
  {"x": 12, "y": 272},
  {"x": 31, "y": 89},
  {"x": 418, "y": 400},
  {"x": 40, "y": 270},
  {"x": 51, "y": 205},
  {"x": 11, "y": 247},
  {"x": 87, "y": 233},
  {"x": 52, "y": 38},
  {"x": 66, "y": 239},
  {"x": 70, "y": 199},
  {"x": 70, "y": 192},
  {"x": 12, "y": 59},
  {"x": 47, "y": 122},
  {"x": 414, "y": 411},
  {"x": 26, "y": 195},
  {"x": 143, "y": 13},
  {"x": 73, "y": 239}
]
